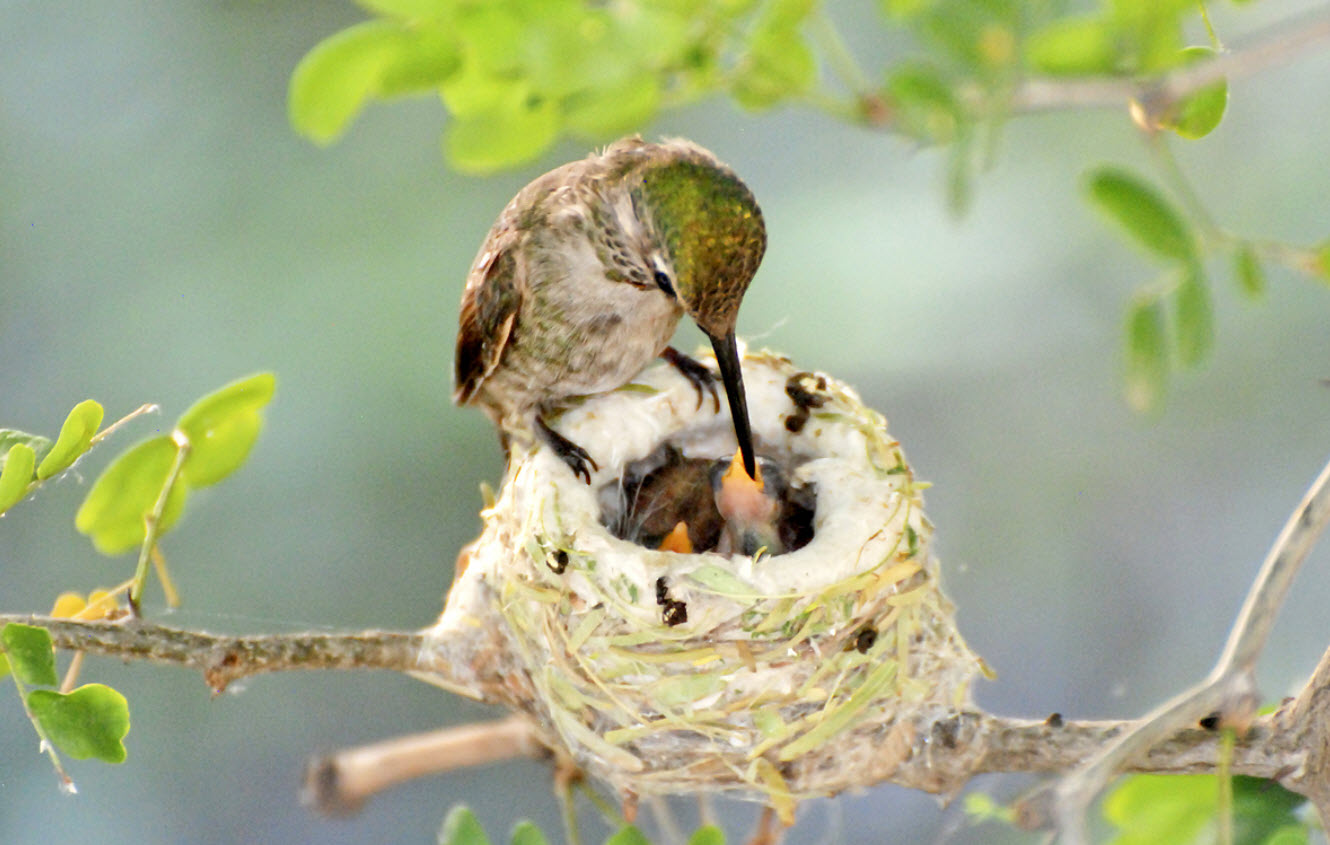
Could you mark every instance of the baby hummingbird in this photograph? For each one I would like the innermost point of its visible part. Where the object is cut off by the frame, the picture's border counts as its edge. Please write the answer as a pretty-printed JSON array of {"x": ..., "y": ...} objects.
[{"x": 584, "y": 276}]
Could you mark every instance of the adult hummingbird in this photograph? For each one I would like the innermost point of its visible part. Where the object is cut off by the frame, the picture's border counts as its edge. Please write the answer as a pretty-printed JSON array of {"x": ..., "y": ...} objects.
[{"x": 583, "y": 278}]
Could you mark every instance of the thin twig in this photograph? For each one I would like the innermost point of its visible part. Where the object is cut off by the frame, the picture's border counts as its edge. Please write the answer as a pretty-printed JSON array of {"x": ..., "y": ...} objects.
[
  {"x": 1230, "y": 689},
  {"x": 1275, "y": 46},
  {"x": 340, "y": 783}
]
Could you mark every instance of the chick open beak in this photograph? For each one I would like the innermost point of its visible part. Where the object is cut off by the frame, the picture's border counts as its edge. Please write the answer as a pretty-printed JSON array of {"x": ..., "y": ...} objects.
[{"x": 727, "y": 357}]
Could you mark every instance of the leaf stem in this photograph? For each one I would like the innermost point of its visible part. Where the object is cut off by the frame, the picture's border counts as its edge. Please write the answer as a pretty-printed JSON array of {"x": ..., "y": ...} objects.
[{"x": 153, "y": 520}]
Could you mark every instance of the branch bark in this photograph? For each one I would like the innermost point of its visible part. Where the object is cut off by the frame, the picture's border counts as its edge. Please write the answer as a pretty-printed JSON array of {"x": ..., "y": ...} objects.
[{"x": 1291, "y": 745}]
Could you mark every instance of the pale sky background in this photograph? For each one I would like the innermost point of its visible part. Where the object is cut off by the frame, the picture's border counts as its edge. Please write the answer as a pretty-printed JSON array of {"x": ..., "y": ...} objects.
[{"x": 163, "y": 231}]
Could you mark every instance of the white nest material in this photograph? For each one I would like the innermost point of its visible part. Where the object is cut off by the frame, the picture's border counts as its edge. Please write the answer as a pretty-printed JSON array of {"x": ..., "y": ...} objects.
[{"x": 779, "y": 658}]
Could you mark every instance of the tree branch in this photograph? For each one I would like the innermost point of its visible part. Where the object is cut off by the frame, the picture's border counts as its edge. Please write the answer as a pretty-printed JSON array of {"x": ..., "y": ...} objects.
[
  {"x": 1277, "y": 45},
  {"x": 223, "y": 659},
  {"x": 937, "y": 752}
]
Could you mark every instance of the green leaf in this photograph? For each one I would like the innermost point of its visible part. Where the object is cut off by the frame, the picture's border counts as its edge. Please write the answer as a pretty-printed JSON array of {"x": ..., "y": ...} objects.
[
  {"x": 461, "y": 827},
  {"x": 1322, "y": 266},
  {"x": 709, "y": 835},
  {"x": 1147, "y": 355},
  {"x": 526, "y": 833},
  {"x": 75, "y": 438},
  {"x": 1265, "y": 812},
  {"x": 9, "y": 437},
  {"x": 1142, "y": 213},
  {"x": 31, "y": 655},
  {"x": 1077, "y": 46},
  {"x": 91, "y": 721},
  {"x": 1195, "y": 318},
  {"x": 112, "y": 514},
  {"x": 925, "y": 104},
  {"x": 614, "y": 109},
  {"x": 222, "y": 427},
  {"x": 628, "y": 835},
  {"x": 333, "y": 81},
  {"x": 515, "y": 130},
  {"x": 1247, "y": 270},
  {"x": 1149, "y": 809},
  {"x": 4, "y": 664},
  {"x": 1196, "y": 115},
  {"x": 16, "y": 475},
  {"x": 778, "y": 64},
  {"x": 1293, "y": 834},
  {"x": 407, "y": 9}
]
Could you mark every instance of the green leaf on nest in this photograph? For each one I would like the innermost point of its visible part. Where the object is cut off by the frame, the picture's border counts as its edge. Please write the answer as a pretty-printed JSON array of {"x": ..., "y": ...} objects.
[
  {"x": 75, "y": 438},
  {"x": 91, "y": 721}
]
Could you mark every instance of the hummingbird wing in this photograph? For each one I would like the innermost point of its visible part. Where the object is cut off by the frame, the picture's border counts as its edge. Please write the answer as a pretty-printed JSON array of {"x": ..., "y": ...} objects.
[{"x": 489, "y": 309}]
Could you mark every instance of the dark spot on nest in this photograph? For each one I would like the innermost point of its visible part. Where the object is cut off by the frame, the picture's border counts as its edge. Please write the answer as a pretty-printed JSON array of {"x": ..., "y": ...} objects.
[
  {"x": 806, "y": 391},
  {"x": 863, "y": 640},
  {"x": 558, "y": 561},
  {"x": 662, "y": 591},
  {"x": 1212, "y": 722},
  {"x": 1054, "y": 720},
  {"x": 675, "y": 613}
]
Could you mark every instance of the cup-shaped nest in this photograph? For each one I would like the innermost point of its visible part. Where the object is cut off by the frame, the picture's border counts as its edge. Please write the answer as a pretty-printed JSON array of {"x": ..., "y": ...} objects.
[{"x": 760, "y": 670}]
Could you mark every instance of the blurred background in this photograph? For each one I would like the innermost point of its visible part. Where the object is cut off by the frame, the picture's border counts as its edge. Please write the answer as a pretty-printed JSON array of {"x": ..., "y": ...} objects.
[{"x": 163, "y": 231}]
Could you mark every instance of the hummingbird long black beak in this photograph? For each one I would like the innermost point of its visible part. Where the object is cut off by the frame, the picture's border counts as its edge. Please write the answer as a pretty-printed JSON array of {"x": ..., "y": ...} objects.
[{"x": 727, "y": 357}]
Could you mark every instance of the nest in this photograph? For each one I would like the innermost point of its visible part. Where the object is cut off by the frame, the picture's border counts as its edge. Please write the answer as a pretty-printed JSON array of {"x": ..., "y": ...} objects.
[{"x": 662, "y": 672}]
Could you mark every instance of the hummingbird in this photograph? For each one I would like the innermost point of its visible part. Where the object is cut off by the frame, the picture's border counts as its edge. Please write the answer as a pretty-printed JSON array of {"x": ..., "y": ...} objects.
[{"x": 582, "y": 280}]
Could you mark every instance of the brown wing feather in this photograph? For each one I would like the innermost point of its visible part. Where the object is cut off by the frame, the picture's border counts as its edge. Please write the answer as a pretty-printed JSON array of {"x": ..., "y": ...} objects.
[{"x": 489, "y": 310}]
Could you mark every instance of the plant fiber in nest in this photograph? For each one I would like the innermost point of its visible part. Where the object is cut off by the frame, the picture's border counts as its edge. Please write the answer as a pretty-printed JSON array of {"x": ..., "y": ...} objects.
[{"x": 786, "y": 669}]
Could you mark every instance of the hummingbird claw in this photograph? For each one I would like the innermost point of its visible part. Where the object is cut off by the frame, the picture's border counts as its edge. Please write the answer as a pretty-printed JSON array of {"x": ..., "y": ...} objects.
[
  {"x": 697, "y": 374},
  {"x": 577, "y": 458}
]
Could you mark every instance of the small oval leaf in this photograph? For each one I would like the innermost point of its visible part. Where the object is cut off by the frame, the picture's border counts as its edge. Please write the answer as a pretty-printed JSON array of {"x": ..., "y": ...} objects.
[
  {"x": 1197, "y": 114},
  {"x": 778, "y": 65},
  {"x": 1195, "y": 318},
  {"x": 10, "y": 436},
  {"x": 709, "y": 835},
  {"x": 628, "y": 835},
  {"x": 1147, "y": 355},
  {"x": 377, "y": 58},
  {"x": 526, "y": 833},
  {"x": 222, "y": 427},
  {"x": 517, "y": 129},
  {"x": 91, "y": 721},
  {"x": 16, "y": 475},
  {"x": 1247, "y": 270},
  {"x": 1074, "y": 46},
  {"x": 461, "y": 827},
  {"x": 1142, "y": 213},
  {"x": 75, "y": 438},
  {"x": 113, "y": 513},
  {"x": 30, "y": 653}
]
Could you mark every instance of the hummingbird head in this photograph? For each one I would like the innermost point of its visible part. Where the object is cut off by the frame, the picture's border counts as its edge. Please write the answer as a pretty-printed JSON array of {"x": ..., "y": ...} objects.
[{"x": 709, "y": 238}]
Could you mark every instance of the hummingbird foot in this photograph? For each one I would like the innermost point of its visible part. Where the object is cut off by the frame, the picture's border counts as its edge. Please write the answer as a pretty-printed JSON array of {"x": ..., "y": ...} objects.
[
  {"x": 577, "y": 458},
  {"x": 697, "y": 373}
]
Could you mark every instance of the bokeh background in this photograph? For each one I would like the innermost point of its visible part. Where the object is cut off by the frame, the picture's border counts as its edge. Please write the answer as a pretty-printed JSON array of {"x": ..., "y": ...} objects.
[{"x": 162, "y": 231}]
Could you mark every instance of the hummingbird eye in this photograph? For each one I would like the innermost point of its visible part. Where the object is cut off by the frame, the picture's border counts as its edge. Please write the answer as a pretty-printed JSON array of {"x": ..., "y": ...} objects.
[{"x": 663, "y": 282}]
